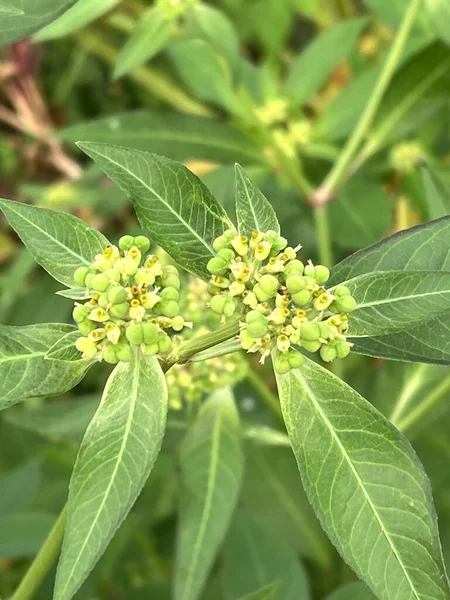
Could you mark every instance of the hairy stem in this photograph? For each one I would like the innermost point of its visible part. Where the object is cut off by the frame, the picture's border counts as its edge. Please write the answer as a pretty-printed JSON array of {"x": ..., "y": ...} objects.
[
  {"x": 339, "y": 171},
  {"x": 43, "y": 561}
]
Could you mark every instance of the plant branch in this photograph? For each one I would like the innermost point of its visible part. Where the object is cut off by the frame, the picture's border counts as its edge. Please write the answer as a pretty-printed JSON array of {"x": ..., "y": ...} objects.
[
  {"x": 421, "y": 409},
  {"x": 340, "y": 169},
  {"x": 43, "y": 561},
  {"x": 263, "y": 391}
]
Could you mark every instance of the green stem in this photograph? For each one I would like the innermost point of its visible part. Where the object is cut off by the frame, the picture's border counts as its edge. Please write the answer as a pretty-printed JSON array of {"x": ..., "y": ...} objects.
[
  {"x": 262, "y": 389},
  {"x": 227, "y": 347},
  {"x": 157, "y": 83},
  {"x": 339, "y": 171},
  {"x": 323, "y": 237},
  {"x": 421, "y": 410},
  {"x": 43, "y": 561},
  {"x": 407, "y": 393}
]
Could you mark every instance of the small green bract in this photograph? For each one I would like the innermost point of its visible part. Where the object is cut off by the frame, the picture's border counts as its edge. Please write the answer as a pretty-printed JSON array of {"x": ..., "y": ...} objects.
[
  {"x": 133, "y": 302},
  {"x": 283, "y": 303}
]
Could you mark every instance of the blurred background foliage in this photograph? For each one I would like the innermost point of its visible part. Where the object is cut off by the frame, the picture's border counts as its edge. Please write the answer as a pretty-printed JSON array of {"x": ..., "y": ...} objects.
[{"x": 278, "y": 86}]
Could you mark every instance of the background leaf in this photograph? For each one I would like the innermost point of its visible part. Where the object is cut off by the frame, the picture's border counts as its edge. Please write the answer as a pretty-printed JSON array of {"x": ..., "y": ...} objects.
[
  {"x": 253, "y": 210},
  {"x": 177, "y": 136},
  {"x": 115, "y": 459},
  {"x": 173, "y": 206},
  {"x": 355, "y": 591},
  {"x": 439, "y": 14},
  {"x": 365, "y": 484},
  {"x": 20, "y": 486},
  {"x": 211, "y": 463},
  {"x": 268, "y": 592},
  {"x": 437, "y": 193},
  {"x": 24, "y": 370},
  {"x": 252, "y": 559},
  {"x": 212, "y": 25},
  {"x": 58, "y": 242},
  {"x": 22, "y": 534}
]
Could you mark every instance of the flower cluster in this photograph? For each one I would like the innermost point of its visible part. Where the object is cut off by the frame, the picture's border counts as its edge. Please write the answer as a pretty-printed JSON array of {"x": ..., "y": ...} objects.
[
  {"x": 282, "y": 302},
  {"x": 133, "y": 301},
  {"x": 193, "y": 381}
]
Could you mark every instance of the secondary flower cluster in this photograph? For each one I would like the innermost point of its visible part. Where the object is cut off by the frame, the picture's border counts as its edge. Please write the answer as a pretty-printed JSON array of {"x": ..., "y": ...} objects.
[
  {"x": 193, "y": 381},
  {"x": 133, "y": 301},
  {"x": 282, "y": 302}
]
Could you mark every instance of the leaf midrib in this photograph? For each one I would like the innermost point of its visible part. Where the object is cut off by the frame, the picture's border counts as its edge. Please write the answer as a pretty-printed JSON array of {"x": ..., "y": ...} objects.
[
  {"x": 358, "y": 479},
  {"x": 401, "y": 298},
  {"x": 132, "y": 406},
  {"x": 212, "y": 474},
  {"x": 250, "y": 202}
]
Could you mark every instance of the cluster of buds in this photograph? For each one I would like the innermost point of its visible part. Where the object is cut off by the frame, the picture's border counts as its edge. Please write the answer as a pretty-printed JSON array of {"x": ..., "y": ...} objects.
[
  {"x": 405, "y": 157},
  {"x": 133, "y": 301},
  {"x": 282, "y": 302}
]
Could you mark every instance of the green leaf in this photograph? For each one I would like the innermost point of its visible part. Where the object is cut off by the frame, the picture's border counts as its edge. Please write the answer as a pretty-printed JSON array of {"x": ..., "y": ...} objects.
[
  {"x": 177, "y": 136},
  {"x": 78, "y": 16},
  {"x": 173, "y": 206},
  {"x": 353, "y": 591},
  {"x": 19, "y": 487},
  {"x": 310, "y": 70},
  {"x": 272, "y": 22},
  {"x": 24, "y": 370},
  {"x": 366, "y": 485},
  {"x": 268, "y": 592},
  {"x": 213, "y": 26},
  {"x": 253, "y": 558},
  {"x": 151, "y": 34},
  {"x": 115, "y": 459},
  {"x": 425, "y": 247},
  {"x": 360, "y": 214},
  {"x": 75, "y": 293},
  {"x": 22, "y": 534},
  {"x": 439, "y": 15},
  {"x": 392, "y": 13},
  {"x": 64, "y": 349},
  {"x": 390, "y": 301},
  {"x": 57, "y": 241},
  {"x": 253, "y": 210},
  {"x": 30, "y": 16},
  {"x": 437, "y": 193},
  {"x": 211, "y": 462},
  {"x": 9, "y": 10}
]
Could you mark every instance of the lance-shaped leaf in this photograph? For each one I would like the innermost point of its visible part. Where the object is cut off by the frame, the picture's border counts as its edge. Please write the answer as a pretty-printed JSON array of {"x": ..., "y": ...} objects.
[
  {"x": 268, "y": 592},
  {"x": 353, "y": 591},
  {"x": 75, "y": 293},
  {"x": 173, "y": 206},
  {"x": 437, "y": 193},
  {"x": 211, "y": 464},
  {"x": 366, "y": 485},
  {"x": 30, "y": 15},
  {"x": 253, "y": 210},
  {"x": 116, "y": 456},
  {"x": 390, "y": 301},
  {"x": 65, "y": 349},
  {"x": 58, "y": 242},
  {"x": 24, "y": 370},
  {"x": 425, "y": 247},
  {"x": 253, "y": 559}
]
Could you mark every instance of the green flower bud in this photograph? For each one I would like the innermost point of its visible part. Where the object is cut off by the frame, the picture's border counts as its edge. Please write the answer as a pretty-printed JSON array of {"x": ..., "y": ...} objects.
[
  {"x": 126, "y": 242},
  {"x": 295, "y": 284},
  {"x": 109, "y": 354},
  {"x": 170, "y": 280},
  {"x": 310, "y": 346},
  {"x": 80, "y": 275},
  {"x": 294, "y": 267},
  {"x": 164, "y": 343},
  {"x": 142, "y": 243},
  {"x": 269, "y": 284},
  {"x": 258, "y": 328},
  {"x": 260, "y": 294},
  {"x": 151, "y": 349},
  {"x": 302, "y": 298},
  {"x": 323, "y": 301},
  {"x": 220, "y": 243},
  {"x": 150, "y": 332},
  {"x": 345, "y": 304},
  {"x": 227, "y": 254},
  {"x": 81, "y": 313},
  {"x": 124, "y": 352},
  {"x": 117, "y": 295},
  {"x": 86, "y": 346},
  {"x": 135, "y": 333},
  {"x": 99, "y": 283},
  {"x": 310, "y": 331},
  {"x": 280, "y": 243},
  {"x": 177, "y": 323},
  {"x": 328, "y": 353},
  {"x": 322, "y": 274},
  {"x": 169, "y": 308},
  {"x": 342, "y": 349},
  {"x": 86, "y": 327},
  {"x": 217, "y": 265},
  {"x": 281, "y": 363},
  {"x": 342, "y": 290},
  {"x": 119, "y": 311},
  {"x": 295, "y": 359},
  {"x": 170, "y": 293}
]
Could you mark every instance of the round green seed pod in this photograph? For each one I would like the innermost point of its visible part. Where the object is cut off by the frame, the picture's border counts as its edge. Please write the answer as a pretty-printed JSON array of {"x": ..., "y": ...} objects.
[
  {"x": 170, "y": 280},
  {"x": 217, "y": 304},
  {"x": 88, "y": 279},
  {"x": 246, "y": 340},
  {"x": 212, "y": 289},
  {"x": 103, "y": 301},
  {"x": 177, "y": 323},
  {"x": 119, "y": 311},
  {"x": 142, "y": 243},
  {"x": 117, "y": 294},
  {"x": 310, "y": 346},
  {"x": 150, "y": 332},
  {"x": 342, "y": 290},
  {"x": 254, "y": 315},
  {"x": 86, "y": 327},
  {"x": 135, "y": 334},
  {"x": 342, "y": 349},
  {"x": 346, "y": 304},
  {"x": 151, "y": 349},
  {"x": 220, "y": 243},
  {"x": 99, "y": 283},
  {"x": 281, "y": 364},
  {"x": 217, "y": 265},
  {"x": 269, "y": 285},
  {"x": 124, "y": 352},
  {"x": 230, "y": 307},
  {"x": 164, "y": 343},
  {"x": 112, "y": 274},
  {"x": 322, "y": 274},
  {"x": 302, "y": 298},
  {"x": 325, "y": 330},
  {"x": 169, "y": 308},
  {"x": 126, "y": 242},
  {"x": 310, "y": 271},
  {"x": 260, "y": 294},
  {"x": 109, "y": 354},
  {"x": 79, "y": 276},
  {"x": 227, "y": 254},
  {"x": 294, "y": 267},
  {"x": 328, "y": 353},
  {"x": 81, "y": 313},
  {"x": 257, "y": 329},
  {"x": 309, "y": 331},
  {"x": 170, "y": 293},
  {"x": 295, "y": 284},
  {"x": 295, "y": 359}
]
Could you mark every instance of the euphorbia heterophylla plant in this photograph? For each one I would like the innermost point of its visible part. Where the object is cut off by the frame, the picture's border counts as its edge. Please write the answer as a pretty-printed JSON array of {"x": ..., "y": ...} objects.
[{"x": 361, "y": 475}]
